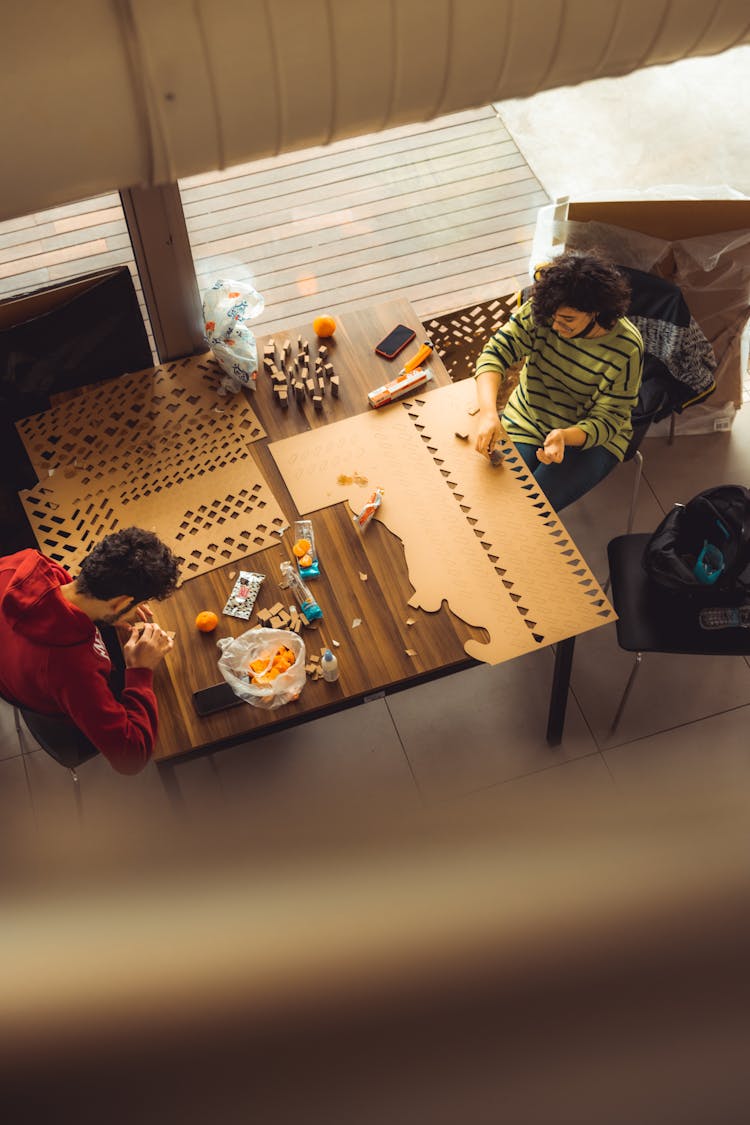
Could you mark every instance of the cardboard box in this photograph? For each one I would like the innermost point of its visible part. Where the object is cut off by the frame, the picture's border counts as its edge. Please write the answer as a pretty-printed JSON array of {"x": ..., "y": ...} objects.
[{"x": 701, "y": 245}]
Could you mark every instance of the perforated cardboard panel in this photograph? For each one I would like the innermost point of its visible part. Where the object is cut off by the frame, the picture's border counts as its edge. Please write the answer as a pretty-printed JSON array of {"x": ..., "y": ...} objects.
[
  {"x": 483, "y": 539},
  {"x": 104, "y": 419},
  {"x": 158, "y": 449}
]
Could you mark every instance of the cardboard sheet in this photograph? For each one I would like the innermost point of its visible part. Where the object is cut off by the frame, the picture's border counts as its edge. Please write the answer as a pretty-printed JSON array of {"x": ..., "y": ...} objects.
[
  {"x": 484, "y": 539},
  {"x": 158, "y": 449},
  {"x": 104, "y": 418},
  {"x": 220, "y": 515}
]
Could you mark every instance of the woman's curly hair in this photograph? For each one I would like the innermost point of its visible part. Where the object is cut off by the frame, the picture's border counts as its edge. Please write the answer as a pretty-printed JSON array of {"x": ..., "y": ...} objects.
[
  {"x": 587, "y": 282},
  {"x": 133, "y": 562}
]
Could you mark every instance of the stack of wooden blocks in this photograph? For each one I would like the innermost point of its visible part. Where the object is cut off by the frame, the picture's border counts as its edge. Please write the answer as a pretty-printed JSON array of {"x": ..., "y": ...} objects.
[
  {"x": 279, "y": 617},
  {"x": 297, "y": 376}
]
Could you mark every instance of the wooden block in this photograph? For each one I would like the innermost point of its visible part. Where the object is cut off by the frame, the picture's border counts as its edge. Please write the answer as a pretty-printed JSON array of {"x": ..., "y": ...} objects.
[
  {"x": 328, "y": 368},
  {"x": 311, "y": 385},
  {"x": 287, "y": 349},
  {"x": 323, "y": 351},
  {"x": 335, "y": 386},
  {"x": 318, "y": 402},
  {"x": 283, "y": 397},
  {"x": 306, "y": 347},
  {"x": 263, "y": 616},
  {"x": 274, "y": 609},
  {"x": 299, "y": 390}
]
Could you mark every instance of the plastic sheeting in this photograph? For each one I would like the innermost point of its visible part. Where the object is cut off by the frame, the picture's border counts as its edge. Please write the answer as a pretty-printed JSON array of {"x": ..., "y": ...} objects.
[{"x": 712, "y": 270}]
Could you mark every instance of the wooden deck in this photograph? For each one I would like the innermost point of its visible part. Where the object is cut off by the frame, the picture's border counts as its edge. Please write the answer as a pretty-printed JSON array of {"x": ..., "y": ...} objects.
[{"x": 442, "y": 214}]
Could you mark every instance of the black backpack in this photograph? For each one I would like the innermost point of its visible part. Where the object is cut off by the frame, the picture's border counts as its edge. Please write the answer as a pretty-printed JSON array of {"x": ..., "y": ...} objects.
[{"x": 703, "y": 547}]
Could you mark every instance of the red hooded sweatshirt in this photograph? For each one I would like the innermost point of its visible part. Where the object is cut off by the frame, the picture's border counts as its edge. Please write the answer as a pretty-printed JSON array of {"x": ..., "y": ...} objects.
[{"x": 53, "y": 660}]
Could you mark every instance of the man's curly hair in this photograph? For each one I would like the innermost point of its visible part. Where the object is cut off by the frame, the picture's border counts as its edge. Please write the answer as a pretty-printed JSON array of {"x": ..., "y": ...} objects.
[
  {"x": 587, "y": 282},
  {"x": 133, "y": 562}
]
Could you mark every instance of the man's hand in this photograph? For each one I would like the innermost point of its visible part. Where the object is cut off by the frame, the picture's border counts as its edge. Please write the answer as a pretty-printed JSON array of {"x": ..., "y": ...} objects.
[
  {"x": 139, "y": 613},
  {"x": 553, "y": 450},
  {"x": 489, "y": 433},
  {"x": 147, "y": 646}
]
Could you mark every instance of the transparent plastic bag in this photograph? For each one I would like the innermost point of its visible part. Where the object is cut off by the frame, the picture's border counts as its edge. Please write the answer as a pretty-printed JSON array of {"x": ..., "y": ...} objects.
[
  {"x": 262, "y": 644},
  {"x": 227, "y": 307}
]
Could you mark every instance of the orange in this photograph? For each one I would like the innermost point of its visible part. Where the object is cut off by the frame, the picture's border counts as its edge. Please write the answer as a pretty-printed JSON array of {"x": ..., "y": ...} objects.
[
  {"x": 206, "y": 621},
  {"x": 306, "y": 560},
  {"x": 324, "y": 326},
  {"x": 258, "y": 665},
  {"x": 301, "y": 547}
]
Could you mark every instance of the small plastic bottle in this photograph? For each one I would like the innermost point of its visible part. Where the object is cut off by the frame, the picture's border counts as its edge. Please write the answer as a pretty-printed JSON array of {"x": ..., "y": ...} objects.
[
  {"x": 330, "y": 666},
  {"x": 309, "y": 607}
]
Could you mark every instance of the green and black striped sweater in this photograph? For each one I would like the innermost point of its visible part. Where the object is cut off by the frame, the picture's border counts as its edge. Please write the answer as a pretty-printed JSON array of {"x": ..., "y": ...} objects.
[{"x": 589, "y": 383}]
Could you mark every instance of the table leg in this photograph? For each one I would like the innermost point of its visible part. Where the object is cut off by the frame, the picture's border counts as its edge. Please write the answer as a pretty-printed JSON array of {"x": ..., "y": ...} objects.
[{"x": 558, "y": 699}]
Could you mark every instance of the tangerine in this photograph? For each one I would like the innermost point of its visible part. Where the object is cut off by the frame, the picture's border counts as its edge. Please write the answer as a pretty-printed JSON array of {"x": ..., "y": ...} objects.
[
  {"x": 306, "y": 560},
  {"x": 206, "y": 621},
  {"x": 301, "y": 547},
  {"x": 324, "y": 326}
]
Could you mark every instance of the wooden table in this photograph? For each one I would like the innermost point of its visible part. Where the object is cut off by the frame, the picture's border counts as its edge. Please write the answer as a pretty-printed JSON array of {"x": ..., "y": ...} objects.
[{"x": 372, "y": 658}]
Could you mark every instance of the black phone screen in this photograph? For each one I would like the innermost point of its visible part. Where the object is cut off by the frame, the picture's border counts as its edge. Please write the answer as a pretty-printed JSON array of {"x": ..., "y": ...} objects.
[
  {"x": 216, "y": 698},
  {"x": 395, "y": 341}
]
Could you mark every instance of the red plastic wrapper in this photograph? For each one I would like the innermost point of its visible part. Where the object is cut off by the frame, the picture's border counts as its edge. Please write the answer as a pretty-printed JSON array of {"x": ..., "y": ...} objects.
[{"x": 363, "y": 518}]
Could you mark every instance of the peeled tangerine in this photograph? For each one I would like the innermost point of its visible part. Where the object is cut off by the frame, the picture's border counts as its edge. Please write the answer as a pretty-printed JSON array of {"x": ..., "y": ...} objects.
[
  {"x": 301, "y": 547},
  {"x": 279, "y": 663}
]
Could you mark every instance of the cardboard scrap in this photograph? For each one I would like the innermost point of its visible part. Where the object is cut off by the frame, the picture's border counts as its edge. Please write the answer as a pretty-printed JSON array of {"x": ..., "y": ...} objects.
[{"x": 356, "y": 622}]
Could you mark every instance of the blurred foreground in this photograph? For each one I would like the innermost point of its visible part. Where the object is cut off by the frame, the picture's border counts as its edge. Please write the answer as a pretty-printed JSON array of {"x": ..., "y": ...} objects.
[{"x": 532, "y": 961}]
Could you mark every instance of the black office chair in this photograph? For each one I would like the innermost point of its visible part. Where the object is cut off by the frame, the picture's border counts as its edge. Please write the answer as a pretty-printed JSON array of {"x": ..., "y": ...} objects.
[
  {"x": 652, "y": 619},
  {"x": 57, "y": 736}
]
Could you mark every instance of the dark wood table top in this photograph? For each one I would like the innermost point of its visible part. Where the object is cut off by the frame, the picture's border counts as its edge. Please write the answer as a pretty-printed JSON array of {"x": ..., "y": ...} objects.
[{"x": 371, "y": 657}]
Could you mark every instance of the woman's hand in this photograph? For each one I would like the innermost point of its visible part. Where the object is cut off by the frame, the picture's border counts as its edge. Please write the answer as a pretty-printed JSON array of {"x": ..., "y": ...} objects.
[
  {"x": 553, "y": 450},
  {"x": 489, "y": 432}
]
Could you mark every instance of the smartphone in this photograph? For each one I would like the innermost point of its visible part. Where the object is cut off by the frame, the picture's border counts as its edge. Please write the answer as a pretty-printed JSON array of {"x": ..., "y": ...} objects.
[
  {"x": 395, "y": 342},
  {"x": 216, "y": 698}
]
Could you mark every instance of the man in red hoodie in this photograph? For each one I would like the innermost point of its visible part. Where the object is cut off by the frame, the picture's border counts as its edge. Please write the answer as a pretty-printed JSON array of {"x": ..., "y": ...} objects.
[{"x": 53, "y": 658}]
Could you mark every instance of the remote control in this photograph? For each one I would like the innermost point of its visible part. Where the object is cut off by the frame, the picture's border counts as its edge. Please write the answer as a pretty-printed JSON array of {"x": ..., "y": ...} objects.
[{"x": 728, "y": 617}]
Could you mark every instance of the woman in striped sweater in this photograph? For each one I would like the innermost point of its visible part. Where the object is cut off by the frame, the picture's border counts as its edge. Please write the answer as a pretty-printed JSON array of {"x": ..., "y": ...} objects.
[{"x": 570, "y": 415}]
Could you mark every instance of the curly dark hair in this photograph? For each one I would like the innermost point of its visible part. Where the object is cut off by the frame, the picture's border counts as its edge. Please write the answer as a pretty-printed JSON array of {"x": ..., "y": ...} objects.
[
  {"x": 587, "y": 282},
  {"x": 133, "y": 562}
]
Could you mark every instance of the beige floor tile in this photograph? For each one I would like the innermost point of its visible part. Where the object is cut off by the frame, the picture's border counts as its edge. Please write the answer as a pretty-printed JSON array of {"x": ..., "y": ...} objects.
[
  {"x": 669, "y": 689},
  {"x": 483, "y": 726},
  {"x": 580, "y": 779},
  {"x": 16, "y": 813},
  {"x": 9, "y": 744},
  {"x": 349, "y": 757},
  {"x": 633, "y": 132},
  {"x": 714, "y": 752},
  {"x": 699, "y": 461}
]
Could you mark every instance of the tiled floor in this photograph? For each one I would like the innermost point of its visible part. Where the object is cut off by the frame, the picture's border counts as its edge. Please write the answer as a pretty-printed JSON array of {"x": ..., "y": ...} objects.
[{"x": 471, "y": 735}]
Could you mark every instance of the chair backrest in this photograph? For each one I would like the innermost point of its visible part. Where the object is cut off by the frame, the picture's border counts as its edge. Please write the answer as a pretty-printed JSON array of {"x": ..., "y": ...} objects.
[{"x": 57, "y": 735}]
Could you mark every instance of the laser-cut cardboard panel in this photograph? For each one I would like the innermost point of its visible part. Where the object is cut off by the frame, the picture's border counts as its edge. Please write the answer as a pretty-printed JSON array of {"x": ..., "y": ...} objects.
[
  {"x": 95, "y": 424},
  {"x": 484, "y": 539},
  {"x": 160, "y": 450}
]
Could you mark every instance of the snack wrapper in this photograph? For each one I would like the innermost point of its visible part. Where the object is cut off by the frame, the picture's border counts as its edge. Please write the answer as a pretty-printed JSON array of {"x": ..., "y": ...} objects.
[
  {"x": 308, "y": 562},
  {"x": 242, "y": 598},
  {"x": 363, "y": 518}
]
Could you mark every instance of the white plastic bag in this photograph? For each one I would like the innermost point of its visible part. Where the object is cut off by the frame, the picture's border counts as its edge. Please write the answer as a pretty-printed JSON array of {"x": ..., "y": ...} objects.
[
  {"x": 262, "y": 644},
  {"x": 227, "y": 307}
]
